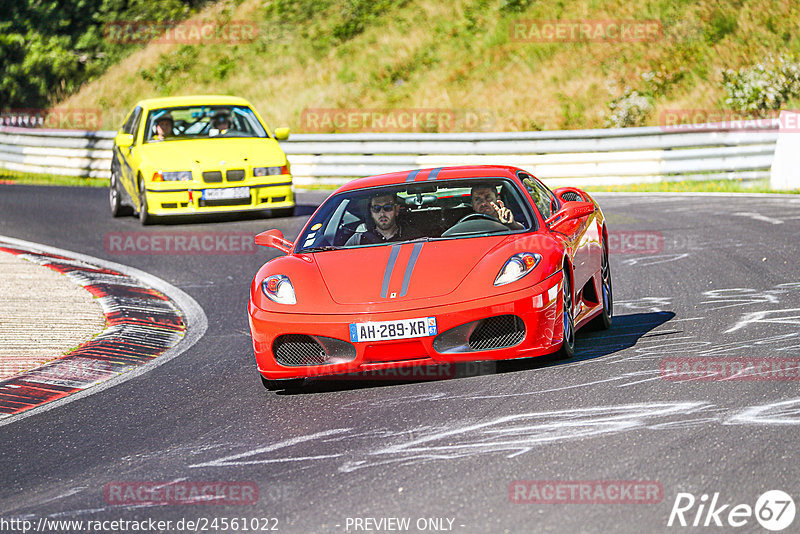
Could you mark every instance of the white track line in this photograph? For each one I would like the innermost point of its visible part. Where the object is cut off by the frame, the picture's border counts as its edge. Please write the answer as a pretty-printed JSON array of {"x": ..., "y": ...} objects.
[{"x": 196, "y": 324}]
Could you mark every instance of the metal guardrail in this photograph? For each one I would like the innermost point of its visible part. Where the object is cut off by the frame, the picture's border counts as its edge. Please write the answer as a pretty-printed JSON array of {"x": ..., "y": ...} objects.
[{"x": 576, "y": 157}]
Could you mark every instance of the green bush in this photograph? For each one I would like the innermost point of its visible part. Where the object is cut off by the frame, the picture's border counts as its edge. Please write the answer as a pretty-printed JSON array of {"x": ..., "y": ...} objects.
[
  {"x": 631, "y": 109},
  {"x": 763, "y": 87},
  {"x": 49, "y": 49}
]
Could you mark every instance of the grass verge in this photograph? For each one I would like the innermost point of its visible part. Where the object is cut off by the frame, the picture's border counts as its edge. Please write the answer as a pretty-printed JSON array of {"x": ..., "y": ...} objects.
[
  {"x": 15, "y": 177},
  {"x": 694, "y": 186}
]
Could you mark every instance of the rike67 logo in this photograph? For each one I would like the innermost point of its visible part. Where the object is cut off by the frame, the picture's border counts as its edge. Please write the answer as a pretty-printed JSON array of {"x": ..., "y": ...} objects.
[{"x": 774, "y": 510}]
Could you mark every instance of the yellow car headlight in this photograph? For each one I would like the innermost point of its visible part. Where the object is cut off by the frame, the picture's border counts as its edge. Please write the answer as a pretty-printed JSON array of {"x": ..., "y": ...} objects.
[
  {"x": 270, "y": 171},
  {"x": 177, "y": 176}
]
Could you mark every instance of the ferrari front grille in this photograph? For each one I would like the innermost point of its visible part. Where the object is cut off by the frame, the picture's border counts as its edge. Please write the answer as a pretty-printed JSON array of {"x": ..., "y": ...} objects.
[
  {"x": 212, "y": 176},
  {"x": 295, "y": 350},
  {"x": 497, "y": 332}
]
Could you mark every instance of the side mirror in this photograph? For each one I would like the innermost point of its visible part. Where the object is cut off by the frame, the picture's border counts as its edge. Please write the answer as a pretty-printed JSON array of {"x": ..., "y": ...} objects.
[
  {"x": 274, "y": 239},
  {"x": 570, "y": 211},
  {"x": 123, "y": 140},
  {"x": 281, "y": 134}
]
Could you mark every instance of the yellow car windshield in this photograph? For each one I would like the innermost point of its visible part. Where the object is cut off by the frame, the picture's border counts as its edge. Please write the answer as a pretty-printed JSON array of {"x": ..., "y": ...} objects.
[{"x": 199, "y": 122}]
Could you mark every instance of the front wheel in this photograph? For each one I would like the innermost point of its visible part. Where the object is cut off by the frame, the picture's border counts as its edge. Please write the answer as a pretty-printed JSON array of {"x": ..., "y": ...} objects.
[
  {"x": 603, "y": 321},
  {"x": 144, "y": 217},
  {"x": 567, "y": 349}
]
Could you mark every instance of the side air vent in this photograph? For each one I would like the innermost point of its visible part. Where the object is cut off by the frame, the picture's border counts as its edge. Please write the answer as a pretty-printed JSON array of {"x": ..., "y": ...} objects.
[
  {"x": 486, "y": 334},
  {"x": 296, "y": 350}
]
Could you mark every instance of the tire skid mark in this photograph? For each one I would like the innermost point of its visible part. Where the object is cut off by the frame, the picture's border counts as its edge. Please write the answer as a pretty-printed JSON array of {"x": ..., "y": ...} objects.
[{"x": 141, "y": 324}]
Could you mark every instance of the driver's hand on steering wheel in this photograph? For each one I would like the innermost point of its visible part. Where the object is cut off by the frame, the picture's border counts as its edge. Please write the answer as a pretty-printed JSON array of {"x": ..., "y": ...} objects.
[{"x": 504, "y": 214}]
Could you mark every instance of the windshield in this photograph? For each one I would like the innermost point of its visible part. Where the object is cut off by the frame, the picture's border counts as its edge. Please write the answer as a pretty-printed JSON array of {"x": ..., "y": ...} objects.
[
  {"x": 440, "y": 209},
  {"x": 198, "y": 122}
]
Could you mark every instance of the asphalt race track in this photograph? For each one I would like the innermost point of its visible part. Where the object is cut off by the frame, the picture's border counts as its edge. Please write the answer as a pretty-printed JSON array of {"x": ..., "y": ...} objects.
[{"x": 695, "y": 276}]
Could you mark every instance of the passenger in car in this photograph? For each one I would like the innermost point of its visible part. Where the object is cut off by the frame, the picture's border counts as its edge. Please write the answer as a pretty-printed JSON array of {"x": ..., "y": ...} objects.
[
  {"x": 383, "y": 225},
  {"x": 484, "y": 200},
  {"x": 221, "y": 123}
]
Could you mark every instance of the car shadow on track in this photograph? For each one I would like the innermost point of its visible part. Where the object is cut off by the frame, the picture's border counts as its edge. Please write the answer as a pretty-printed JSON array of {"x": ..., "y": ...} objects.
[{"x": 624, "y": 333}]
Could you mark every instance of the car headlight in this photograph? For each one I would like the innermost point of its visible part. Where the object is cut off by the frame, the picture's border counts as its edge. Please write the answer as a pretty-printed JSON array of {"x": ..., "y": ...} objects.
[
  {"x": 516, "y": 267},
  {"x": 278, "y": 288},
  {"x": 269, "y": 171},
  {"x": 177, "y": 176}
]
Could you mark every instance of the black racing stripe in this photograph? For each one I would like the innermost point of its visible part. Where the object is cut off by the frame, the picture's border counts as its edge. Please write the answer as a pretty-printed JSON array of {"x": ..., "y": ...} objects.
[
  {"x": 387, "y": 275},
  {"x": 410, "y": 268},
  {"x": 412, "y": 175},
  {"x": 434, "y": 173}
]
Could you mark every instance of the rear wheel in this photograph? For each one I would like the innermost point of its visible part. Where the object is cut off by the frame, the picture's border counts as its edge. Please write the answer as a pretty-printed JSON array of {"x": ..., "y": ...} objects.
[
  {"x": 567, "y": 349},
  {"x": 118, "y": 209}
]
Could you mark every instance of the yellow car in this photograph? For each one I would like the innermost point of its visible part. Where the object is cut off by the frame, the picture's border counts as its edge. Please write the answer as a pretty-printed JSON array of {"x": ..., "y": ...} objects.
[{"x": 198, "y": 154}]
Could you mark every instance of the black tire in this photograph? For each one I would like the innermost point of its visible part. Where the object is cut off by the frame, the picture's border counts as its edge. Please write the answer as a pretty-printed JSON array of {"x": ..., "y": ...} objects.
[
  {"x": 144, "y": 217},
  {"x": 603, "y": 321},
  {"x": 286, "y": 383},
  {"x": 118, "y": 209},
  {"x": 567, "y": 349}
]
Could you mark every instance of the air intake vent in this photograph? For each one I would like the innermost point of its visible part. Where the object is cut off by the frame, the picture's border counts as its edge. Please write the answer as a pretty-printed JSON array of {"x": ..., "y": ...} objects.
[
  {"x": 212, "y": 176},
  {"x": 235, "y": 175},
  {"x": 485, "y": 334},
  {"x": 571, "y": 196},
  {"x": 497, "y": 332},
  {"x": 295, "y": 350}
]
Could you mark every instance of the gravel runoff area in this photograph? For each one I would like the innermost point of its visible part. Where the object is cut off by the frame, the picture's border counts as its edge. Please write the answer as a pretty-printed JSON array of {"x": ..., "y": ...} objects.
[{"x": 43, "y": 315}]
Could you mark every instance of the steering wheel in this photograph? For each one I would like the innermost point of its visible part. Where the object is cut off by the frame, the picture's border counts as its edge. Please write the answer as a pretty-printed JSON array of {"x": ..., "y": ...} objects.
[
  {"x": 475, "y": 223},
  {"x": 476, "y": 216}
]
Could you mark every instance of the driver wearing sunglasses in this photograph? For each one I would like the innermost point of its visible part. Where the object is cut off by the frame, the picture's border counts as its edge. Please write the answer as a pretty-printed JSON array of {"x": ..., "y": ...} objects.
[{"x": 384, "y": 210}]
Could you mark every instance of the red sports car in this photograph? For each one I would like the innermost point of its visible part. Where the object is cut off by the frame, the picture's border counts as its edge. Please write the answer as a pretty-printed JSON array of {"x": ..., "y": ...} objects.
[{"x": 427, "y": 267}]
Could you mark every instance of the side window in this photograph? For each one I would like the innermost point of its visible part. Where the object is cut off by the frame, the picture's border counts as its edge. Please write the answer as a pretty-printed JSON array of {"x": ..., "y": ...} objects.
[
  {"x": 542, "y": 197},
  {"x": 133, "y": 119},
  {"x": 135, "y": 127}
]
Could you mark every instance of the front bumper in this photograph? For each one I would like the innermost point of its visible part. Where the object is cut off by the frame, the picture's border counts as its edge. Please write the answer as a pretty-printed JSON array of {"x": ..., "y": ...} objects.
[
  {"x": 185, "y": 198},
  {"x": 539, "y": 308}
]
